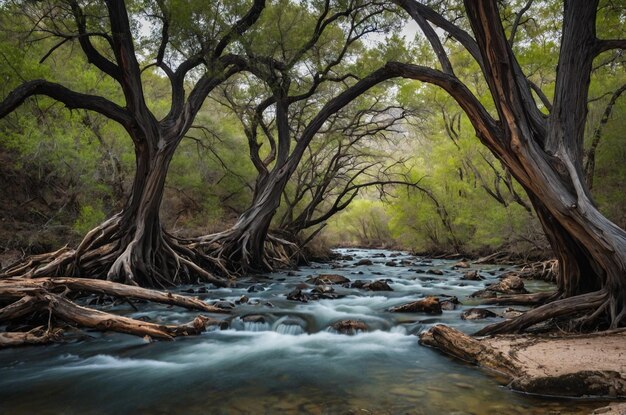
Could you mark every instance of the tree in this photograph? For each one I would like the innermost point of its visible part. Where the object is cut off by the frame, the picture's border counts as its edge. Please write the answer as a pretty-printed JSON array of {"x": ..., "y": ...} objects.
[
  {"x": 544, "y": 152},
  {"x": 193, "y": 42},
  {"x": 301, "y": 80}
]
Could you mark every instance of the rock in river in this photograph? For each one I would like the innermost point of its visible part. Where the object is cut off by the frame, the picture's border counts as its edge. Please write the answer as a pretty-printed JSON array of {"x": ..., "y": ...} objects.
[
  {"x": 472, "y": 276},
  {"x": 429, "y": 305},
  {"x": 378, "y": 285},
  {"x": 349, "y": 326},
  {"x": 327, "y": 279},
  {"x": 477, "y": 314},
  {"x": 364, "y": 261}
]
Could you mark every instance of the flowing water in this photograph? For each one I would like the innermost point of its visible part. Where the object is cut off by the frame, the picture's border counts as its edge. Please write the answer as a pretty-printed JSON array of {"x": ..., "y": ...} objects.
[{"x": 288, "y": 361}]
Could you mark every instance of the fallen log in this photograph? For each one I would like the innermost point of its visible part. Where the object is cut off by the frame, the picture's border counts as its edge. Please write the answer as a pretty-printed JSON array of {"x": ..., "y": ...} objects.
[
  {"x": 35, "y": 336},
  {"x": 46, "y": 299},
  {"x": 18, "y": 287}
]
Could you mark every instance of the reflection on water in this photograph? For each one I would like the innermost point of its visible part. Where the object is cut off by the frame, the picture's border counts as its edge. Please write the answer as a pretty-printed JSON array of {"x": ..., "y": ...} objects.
[{"x": 278, "y": 357}]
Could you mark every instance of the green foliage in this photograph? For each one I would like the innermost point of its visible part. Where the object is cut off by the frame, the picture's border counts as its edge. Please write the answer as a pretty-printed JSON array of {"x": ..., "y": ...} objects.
[{"x": 88, "y": 218}]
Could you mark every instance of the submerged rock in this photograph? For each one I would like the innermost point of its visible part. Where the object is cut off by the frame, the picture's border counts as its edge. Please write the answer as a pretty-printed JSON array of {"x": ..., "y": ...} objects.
[
  {"x": 435, "y": 271},
  {"x": 224, "y": 305},
  {"x": 379, "y": 255},
  {"x": 327, "y": 279},
  {"x": 378, "y": 285},
  {"x": 429, "y": 305},
  {"x": 477, "y": 314},
  {"x": 472, "y": 276},
  {"x": 450, "y": 303},
  {"x": 256, "y": 288},
  {"x": 364, "y": 261},
  {"x": 298, "y": 295},
  {"x": 509, "y": 285},
  {"x": 391, "y": 263},
  {"x": 349, "y": 327}
]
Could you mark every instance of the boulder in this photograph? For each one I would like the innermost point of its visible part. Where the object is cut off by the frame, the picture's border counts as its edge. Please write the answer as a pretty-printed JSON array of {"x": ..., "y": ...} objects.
[
  {"x": 435, "y": 271},
  {"x": 256, "y": 288},
  {"x": 477, "y": 314},
  {"x": 461, "y": 264},
  {"x": 511, "y": 313},
  {"x": 511, "y": 284},
  {"x": 242, "y": 300},
  {"x": 472, "y": 276},
  {"x": 363, "y": 261},
  {"x": 224, "y": 305},
  {"x": 378, "y": 285},
  {"x": 298, "y": 295},
  {"x": 349, "y": 327},
  {"x": 429, "y": 305},
  {"x": 391, "y": 263},
  {"x": 327, "y": 279},
  {"x": 379, "y": 255},
  {"x": 450, "y": 303}
]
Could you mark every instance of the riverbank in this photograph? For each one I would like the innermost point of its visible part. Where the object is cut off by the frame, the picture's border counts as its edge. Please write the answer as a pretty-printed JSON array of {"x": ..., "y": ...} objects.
[{"x": 581, "y": 366}]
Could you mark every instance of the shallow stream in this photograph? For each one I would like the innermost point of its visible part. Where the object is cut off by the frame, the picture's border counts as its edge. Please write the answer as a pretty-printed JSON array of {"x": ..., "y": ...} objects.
[{"x": 288, "y": 361}]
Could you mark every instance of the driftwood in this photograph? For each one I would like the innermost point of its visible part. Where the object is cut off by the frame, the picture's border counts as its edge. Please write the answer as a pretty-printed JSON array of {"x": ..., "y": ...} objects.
[
  {"x": 47, "y": 299},
  {"x": 17, "y": 286}
]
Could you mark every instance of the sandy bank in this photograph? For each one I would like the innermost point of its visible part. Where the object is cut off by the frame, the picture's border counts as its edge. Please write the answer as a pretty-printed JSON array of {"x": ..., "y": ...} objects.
[{"x": 563, "y": 365}]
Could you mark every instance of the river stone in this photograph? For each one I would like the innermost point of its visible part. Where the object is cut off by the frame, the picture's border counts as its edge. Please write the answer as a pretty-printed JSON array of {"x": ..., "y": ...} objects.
[
  {"x": 477, "y": 314},
  {"x": 429, "y": 305},
  {"x": 364, "y": 261},
  {"x": 461, "y": 264},
  {"x": 322, "y": 289},
  {"x": 511, "y": 284},
  {"x": 435, "y": 271},
  {"x": 378, "y": 285},
  {"x": 349, "y": 327},
  {"x": 391, "y": 263},
  {"x": 450, "y": 303},
  {"x": 326, "y": 279},
  {"x": 242, "y": 300},
  {"x": 256, "y": 288},
  {"x": 472, "y": 276},
  {"x": 224, "y": 305},
  {"x": 379, "y": 255},
  {"x": 298, "y": 295}
]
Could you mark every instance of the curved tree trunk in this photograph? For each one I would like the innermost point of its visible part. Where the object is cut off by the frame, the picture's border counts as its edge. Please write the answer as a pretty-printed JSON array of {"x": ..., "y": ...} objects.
[
  {"x": 244, "y": 247},
  {"x": 546, "y": 158}
]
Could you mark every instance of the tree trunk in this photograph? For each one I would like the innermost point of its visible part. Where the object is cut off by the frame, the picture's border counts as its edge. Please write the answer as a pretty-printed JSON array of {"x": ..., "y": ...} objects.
[
  {"x": 131, "y": 246},
  {"x": 546, "y": 158},
  {"x": 243, "y": 248}
]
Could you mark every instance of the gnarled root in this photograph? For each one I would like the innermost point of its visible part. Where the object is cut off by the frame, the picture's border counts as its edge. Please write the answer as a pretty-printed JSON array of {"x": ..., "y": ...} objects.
[
  {"x": 46, "y": 297},
  {"x": 114, "y": 252},
  {"x": 232, "y": 253},
  {"x": 593, "y": 303}
]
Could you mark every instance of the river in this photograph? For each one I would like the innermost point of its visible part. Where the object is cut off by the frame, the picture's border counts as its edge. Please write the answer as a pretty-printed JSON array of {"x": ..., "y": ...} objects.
[{"x": 288, "y": 361}]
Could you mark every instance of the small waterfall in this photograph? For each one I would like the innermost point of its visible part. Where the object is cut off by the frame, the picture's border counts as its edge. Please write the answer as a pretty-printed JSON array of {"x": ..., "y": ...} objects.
[
  {"x": 292, "y": 329},
  {"x": 255, "y": 326}
]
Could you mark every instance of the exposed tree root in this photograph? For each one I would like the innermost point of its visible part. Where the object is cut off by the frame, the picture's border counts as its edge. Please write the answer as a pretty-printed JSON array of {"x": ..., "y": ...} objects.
[
  {"x": 592, "y": 304},
  {"x": 114, "y": 252},
  {"x": 234, "y": 254},
  {"x": 541, "y": 270},
  {"x": 46, "y": 299}
]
